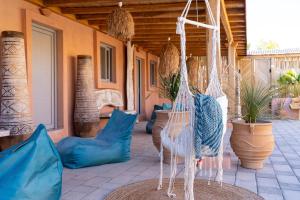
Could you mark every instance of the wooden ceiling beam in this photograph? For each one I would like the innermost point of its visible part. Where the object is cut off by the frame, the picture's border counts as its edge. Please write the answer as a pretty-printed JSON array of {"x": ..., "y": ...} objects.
[
  {"x": 143, "y": 15},
  {"x": 133, "y": 9},
  {"x": 78, "y": 3},
  {"x": 225, "y": 21}
]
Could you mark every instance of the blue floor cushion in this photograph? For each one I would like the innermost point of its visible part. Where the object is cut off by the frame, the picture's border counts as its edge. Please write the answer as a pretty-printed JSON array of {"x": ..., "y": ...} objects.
[
  {"x": 31, "y": 170},
  {"x": 111, "y": 145}
]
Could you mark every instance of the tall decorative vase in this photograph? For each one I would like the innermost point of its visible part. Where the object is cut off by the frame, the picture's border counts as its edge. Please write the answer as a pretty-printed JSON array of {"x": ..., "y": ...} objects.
[
  {"x": 86, "y": 114},
  {"x": 15, "y": 114}
]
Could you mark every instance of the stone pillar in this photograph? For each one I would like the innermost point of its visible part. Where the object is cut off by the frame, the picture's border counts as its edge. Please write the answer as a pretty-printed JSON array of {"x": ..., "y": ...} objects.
[
  {"x": 86, "y": 114},
  {"x": 15, "y": 114},
  {"x": 215, "y": 7}
]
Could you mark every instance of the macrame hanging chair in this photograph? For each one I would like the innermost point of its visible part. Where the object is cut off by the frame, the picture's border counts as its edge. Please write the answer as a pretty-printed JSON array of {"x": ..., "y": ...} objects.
[
  {"x": 120, "y": 24},
  {"x": 178, "y": 134}
]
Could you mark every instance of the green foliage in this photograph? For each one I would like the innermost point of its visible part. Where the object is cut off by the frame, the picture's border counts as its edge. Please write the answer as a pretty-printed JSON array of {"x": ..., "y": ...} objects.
[
  {"x": 267, "y": 45},
  {"x": 289, "y": 83},
  {"x": 169, "y": 86},
  {"x": 255, "y": 100}
]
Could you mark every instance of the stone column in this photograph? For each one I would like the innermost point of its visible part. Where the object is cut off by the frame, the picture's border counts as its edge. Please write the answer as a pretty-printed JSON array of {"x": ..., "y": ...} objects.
[
  {"x": 15, "y": 114},
  {"x": 86, "y": 114}
]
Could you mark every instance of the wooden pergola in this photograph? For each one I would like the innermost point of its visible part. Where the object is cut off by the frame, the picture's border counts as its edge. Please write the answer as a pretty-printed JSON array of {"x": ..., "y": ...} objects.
[{"x": 155, "y": 21}]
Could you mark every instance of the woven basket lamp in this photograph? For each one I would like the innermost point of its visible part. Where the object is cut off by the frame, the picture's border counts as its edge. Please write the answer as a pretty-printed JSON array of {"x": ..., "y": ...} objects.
[
  {"x": 192, "y": 67},
  {"x": 169, "y": 59},
  {"x": 120, "y": 24}
]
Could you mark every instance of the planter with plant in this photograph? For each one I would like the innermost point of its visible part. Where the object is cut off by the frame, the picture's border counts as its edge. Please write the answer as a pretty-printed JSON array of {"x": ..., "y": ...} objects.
[
  {"x": 252, "y": 139},
  {"x": 169, "y": 86},
  {"x": 289, "y": 93}
]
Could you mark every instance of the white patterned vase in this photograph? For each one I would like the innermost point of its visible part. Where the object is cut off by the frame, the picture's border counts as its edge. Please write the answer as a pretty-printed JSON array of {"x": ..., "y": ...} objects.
[{"x": 15, "y": 114}]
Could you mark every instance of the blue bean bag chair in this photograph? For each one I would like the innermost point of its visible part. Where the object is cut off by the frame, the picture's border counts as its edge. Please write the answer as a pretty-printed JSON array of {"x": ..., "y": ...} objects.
[
  {"x": 111, "y": 145},
  {"x": 31, "y": 170}
]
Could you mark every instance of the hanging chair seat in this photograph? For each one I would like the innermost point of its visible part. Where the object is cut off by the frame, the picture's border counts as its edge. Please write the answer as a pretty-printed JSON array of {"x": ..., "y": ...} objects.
[
  {"x": 111, "y": 145},
  {"x": 31, "y": 170}
]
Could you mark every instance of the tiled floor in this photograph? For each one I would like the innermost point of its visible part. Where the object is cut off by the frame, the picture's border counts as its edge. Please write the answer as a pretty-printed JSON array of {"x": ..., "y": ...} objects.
[{"x": 279, "y": 179}]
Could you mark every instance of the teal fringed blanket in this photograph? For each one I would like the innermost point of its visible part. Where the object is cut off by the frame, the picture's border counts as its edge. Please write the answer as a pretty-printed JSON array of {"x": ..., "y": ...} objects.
[{"x": 208, "y": 126}]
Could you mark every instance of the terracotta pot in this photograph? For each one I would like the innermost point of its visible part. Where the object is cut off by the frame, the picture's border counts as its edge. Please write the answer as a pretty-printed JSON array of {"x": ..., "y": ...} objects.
[
  {"x": 162, "y": 117},
  {"x": 252, "y": 143}
]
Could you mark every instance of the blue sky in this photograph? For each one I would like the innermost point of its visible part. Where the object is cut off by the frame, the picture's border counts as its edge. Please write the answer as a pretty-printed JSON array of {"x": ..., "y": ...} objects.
[{"x": 276, "y": 20}]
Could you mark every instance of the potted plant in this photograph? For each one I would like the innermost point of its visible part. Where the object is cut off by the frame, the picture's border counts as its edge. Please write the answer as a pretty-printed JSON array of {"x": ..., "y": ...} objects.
[
  {"x": 252, "y": 139},
  {"x": 169, "y": 86},
  {"x": 288, "y": 91}
]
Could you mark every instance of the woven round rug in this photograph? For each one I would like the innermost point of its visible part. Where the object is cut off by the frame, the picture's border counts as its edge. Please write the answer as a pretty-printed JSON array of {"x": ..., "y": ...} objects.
[{"x": 146, "y": 190}]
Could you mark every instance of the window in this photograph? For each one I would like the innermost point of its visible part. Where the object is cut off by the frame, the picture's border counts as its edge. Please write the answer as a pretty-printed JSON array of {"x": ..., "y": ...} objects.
[
  {"x": 153, "y": 78},
  {"x": 107, "y": 63}
]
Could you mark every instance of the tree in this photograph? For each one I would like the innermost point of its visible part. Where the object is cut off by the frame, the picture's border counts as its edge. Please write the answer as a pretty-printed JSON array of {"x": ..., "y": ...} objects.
[{"x": 267, "y": 45}]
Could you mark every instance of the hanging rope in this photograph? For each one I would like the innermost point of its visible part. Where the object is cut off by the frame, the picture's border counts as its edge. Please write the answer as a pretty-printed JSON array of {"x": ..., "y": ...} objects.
[{"x": 178, "y": 134}]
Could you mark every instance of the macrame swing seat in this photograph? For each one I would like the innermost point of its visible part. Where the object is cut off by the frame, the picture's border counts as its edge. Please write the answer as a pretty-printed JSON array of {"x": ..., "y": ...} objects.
[{"x": 178, "y": 135}]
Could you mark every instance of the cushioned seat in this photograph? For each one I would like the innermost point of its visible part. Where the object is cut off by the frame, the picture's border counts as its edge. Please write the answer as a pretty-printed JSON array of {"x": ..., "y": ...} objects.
[
  {"x": 31, "y": 170},
  {"x": 111, "y": 145}
]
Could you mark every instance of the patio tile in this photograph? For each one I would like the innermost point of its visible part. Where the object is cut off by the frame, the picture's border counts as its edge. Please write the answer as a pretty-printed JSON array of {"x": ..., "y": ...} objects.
[
  {"x": 97, "y": 181},
  {"x": 277, "y": 180},
  {"x": 291, "y": 195},
  {"x": 287, "y": 179},
  {"x": 84, "y": 189},
  {"x": 245, "y": 176},
  {"x": 247, "y": 185},
  {"x": 282, "y": 168},
  {"x": 268, "y": 196},
  {"x": 267, "y": 182},
  {"x": 73, "y": 195},
  {"x": 98, "y": 194}
]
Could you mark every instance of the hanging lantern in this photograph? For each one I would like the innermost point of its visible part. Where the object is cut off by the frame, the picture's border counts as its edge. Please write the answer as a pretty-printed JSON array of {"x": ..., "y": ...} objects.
[
  {"x": 120, "y": 24},
  {"x": 192, "y": 67},
  {"x": 169, "y": 59}
]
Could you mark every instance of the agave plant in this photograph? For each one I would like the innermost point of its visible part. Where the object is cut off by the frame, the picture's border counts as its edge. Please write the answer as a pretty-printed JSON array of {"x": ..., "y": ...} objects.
[
  {"x": 255, "y": 100},
  {"x": 169, "y": 86}
]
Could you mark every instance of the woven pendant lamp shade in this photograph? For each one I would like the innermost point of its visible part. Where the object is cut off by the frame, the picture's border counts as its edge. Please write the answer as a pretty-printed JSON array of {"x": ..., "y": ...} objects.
[
  {"x": 169, "y": 59},
  {"x": 120, "y": 24},
  {"x": 192, "y": 67}
]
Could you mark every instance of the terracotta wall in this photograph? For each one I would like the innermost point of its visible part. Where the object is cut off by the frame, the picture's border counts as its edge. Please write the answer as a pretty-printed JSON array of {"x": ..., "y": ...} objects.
[
  {"x": 150, "y": 94},
  {"x": 74, "y": 39}
]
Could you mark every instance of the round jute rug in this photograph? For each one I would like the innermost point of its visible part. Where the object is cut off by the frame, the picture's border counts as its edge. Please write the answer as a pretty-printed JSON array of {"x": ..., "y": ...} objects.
[{"x": 146, "y": 190}]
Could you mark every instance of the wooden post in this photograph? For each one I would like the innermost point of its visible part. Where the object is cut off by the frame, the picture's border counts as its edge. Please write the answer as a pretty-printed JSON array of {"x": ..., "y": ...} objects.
[
  {"x": 215, "y": 7},
  {"x": 238, "y": 108},
  {"x": 231, "y": 93}
]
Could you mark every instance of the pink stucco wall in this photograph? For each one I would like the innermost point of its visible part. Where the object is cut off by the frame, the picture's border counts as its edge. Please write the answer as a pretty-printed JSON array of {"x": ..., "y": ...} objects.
[{"x": 75, "y": 39}]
